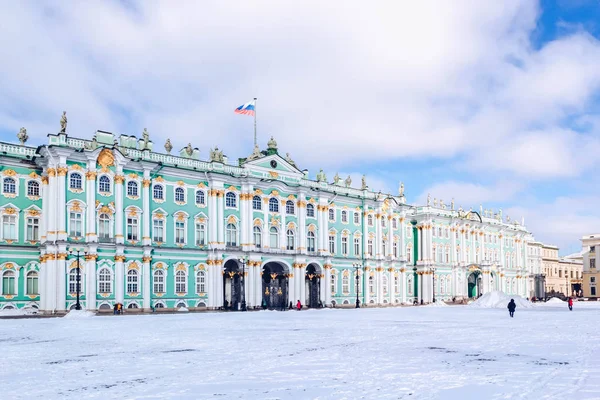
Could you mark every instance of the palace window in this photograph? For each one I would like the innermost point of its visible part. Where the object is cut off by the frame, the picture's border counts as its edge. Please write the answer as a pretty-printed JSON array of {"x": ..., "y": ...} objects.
[
  {"x": 395, "y": 248},
  {"x": 384, "y": 283},
  {"x": 231, "y": 235},
  {"x": 73, "y": 284},
  {"x": 9, "y": 227},
  {"x": 132, "y": 281},
  {"x": 104, "y": 281},
  {"x": 408, "y": 254},
  {"x": 371, "y": 285},
  {"x": 200, "y": 234},
  {"x": 75, "y": 224},
  {"x": 290, "y": 240},
  {"x": 344, "y": 216},
  {"x": 201, "y": 282},
  {"x": 158, "y": 192},
  {"x": 158, "y": 230},
  {"x": 104, "y": 184},
  {"x": 32, "y": 283},
  {"x": 410, "y": 287},
  {"x": 383, "y": 221},
  {"x": 440, "y": 232},
  {"x": 75, "y": 181},
  {"x": 310, "y": 241},
  {"x": 370, "y": 220},
  {"x": 132, "y": 189},
  {"x": 333, "y": 283},
  {"x": 310, "y": 210},
  {"x": 179, "y": 232},
  {"x": 289, "y": 207},
  {"x": 273, "y": 205},
  {"x": 8, "y": 283},
  {"x": 180, "y": 282},
  {"x": 273, "y": 238},
  {"x": 331, "y": 215},
  {"x": 332, "y": 244},
  {"x": 180, "y": 195},
  {"x": 33, "y": 188},
  {"x": 256, "y": 203},
  {"x": 345, "y": 245},
  {"x": 345, "y": 284},
  {"x": 384, "y": 247},
  {"x": 33, "y": 229},
  {"x": 9, "y": 186},
  {"x": 395, "y": 223},
  {"x": 396, "y": 284},
  {"x": 104, "y": 231},
  {"x": 447, "y": 255},
  {"x": 356, "y": 218},
  {"x": 159, "y": 281},
  {"x": 200, "y": 197},
  {"x": 230, "y": 200},
  {"x": 370, "y": 247},
  {"x": 257, "y": 235},
  {"x": 132, "y": 229},
  {"x": 357, "y": 246}
]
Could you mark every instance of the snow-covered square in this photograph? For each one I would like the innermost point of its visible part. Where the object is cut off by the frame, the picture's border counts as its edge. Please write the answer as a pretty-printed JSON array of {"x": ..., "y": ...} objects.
[{"x": 452, "y": 352}]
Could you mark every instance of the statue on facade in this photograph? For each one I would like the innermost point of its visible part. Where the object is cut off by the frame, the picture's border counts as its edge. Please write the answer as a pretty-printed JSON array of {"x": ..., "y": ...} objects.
[
  {"x": 452, "y": 204},
  {"x": 272, "y": 144},
  {"x": 216, "y": 155},
  {"x": 146, "y": 140},
  {"x": 435, "y": 202},
  {"x": 442, "y": 205},
  {"x": 289, "y": 159},
  {"x": 22, "y": 136},
  {"x": 321, "y": 177},
  {"x": 480, "y": 210},
  {"x": 364, "y": 183},
  {"x": 255, "y": 154},
  {"x": 336, "y": 179},
  {"x": 63, "y": 122},
  {"x": 507, "y": 218},
  {"x": 401, "y": 189},
  {"x": 189, "y": 150},
  {"x": 93, "y": 145},
  {"x": 168, "y": 146},
  {"x": 348, "y": 181},
  {"x": 428, "y": 199},
  {"x": 499, "y": 214}
]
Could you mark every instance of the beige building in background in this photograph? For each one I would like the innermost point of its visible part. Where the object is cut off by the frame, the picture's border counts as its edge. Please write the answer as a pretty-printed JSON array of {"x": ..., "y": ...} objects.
[
  {"x": 590, "y": 252},
  {"x": 550, "y": 267}
]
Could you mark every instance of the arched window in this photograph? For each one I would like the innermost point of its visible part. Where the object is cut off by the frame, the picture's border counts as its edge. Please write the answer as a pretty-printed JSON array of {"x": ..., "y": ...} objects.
[
  {"x": 132, "y": 281},
  {"x": 344, "y": 216},
  {"x": 345, "y": 245},
  {"x": 310, "y": 241},
  {"x": 273, "y": 205},
  {"x": 331, "y": 214},
  {"x": 180, "y": 282},
  {"x": 75, "y": 181},
  {"x": 345, "y": 284},
  {"x": 273, "y": 238},
  {"x": 132, "y": 305},
  {"x": 357, "y": 246},
  {"x": 442, "y": 285},
  {"x": 371, "y": 285},
  {"x": 384, "y": 283},
  {"x": 291, "y": 239},
  {"x": 395, "y": 248},
  {"x": 32, "y": 283},
  {"x": 8, "y": 282},
  {"x": 384, "y": 247},
  {"x": 333, "y": 283},
  {"x": 104, "y": 281},
  {"x": 370, "y": 220},
  {"x": 200, "y": 197},
  {"x": 33, "y": 188},
  {"x": 439, "y": 254},
  {"x": 73, "y": 284},
  {"x": 395, "y": 223},
  {"x": 230, "y": 200},
  {"x": 201, "y": 282},
  {"x": 383, "y": 221},
  {"x": 257, "y": 234},
  {"x": 408, "y": 254},
  {"x": 410, "y": 287},
  {"x": 104, "y": 184},
  {"x": 159, "y": 281},
  {"x": 231, "y": 233},
  {"x": 157, "y": 192},
  {"x": 289, "y": 207},
  {"x": 356, "y": 217},
  {"x": 132, "y": 189},
  {"x": 447, "y": 255},
  {"x": 370, "y": 247},
  {"x": 256, "y": 203},
  {"x": 310, "y": 210},
  {"x": 9, "y": 186},
  {"x": 104, "y": 231},
  {"x": 180, "y": 195},
  {"x": 159, "y": 305}
]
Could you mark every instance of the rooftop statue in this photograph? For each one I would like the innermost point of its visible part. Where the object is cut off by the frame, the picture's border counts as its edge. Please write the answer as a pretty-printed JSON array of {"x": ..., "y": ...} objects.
[
  {"x": 428, "y": 199},
  {"x": 216, "y": 155},
  {"x": 435, "y": 202},
  {"x": 63, "y": 122},
  {"x": 401, "y": 189},
  {"x": 364, "y": 183},
  {"x": 348, "y": 181},
  {"x": 321, "y": 177},
  {"x": 189, "y": 150},
  {"x": 146, "y": 140},
  {"x": 289, "y": 159},
  {"x": 168, "y": 146},
  {"x": 452, "y": 204},
  {"x": 272, "y": 144},
  {"x": 255, "y": 153},
  {"x": 442, "y": 204},
  {"x": 336, "y": 179},
  {"x": 93, "y": 145},
  {"x": 22, "y": 136}
]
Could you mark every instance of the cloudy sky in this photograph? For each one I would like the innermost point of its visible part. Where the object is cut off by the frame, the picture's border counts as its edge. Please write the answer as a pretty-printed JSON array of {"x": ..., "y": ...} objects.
[{"x": 487, "y": 102}]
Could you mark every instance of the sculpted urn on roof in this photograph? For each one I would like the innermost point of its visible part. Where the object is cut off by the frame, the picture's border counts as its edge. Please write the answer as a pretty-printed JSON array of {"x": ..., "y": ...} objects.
[
  {"x": 22, "y": 136},
  {"x": 272, "y": 144}
]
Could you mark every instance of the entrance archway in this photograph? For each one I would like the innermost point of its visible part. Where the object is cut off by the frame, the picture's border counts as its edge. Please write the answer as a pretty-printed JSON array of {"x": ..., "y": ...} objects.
[
  {"x": 275, "y": 286},
  {"x": 475, "y": 284},
  {"x": 313, "y": 285},
  {"x": 232, "y": 285}
]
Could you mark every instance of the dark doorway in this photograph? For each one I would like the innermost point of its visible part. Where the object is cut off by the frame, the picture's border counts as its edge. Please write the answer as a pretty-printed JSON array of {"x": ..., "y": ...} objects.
[
  {"x": 232, "y": 285},
  {"x": 275, "y": 286},
  {"x": 313, "y": 286}
]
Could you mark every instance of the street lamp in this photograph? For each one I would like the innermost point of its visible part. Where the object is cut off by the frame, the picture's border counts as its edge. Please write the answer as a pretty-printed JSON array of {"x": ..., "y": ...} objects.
[
  {"x": 243, "y": 261},
  {"x": 433, "y": 273},
  {"x": 357, "y": 268},
  {"x": 77, "y": 253}
]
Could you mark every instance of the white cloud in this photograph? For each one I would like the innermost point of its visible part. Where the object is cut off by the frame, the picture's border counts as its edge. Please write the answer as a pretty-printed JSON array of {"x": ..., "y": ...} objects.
[{"x": 467, "y": 194}]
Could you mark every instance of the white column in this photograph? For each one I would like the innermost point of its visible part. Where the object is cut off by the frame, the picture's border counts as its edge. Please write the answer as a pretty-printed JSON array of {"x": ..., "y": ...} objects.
[
  {"x": 267, "y": 225},
  {"x": 146, "y": 211},
  {"x": 367, "y": 290},
  {"x": 220, "y": 220},
  {"x": 61, "y": 279},
  {"x": 52, "y": 208},
  {"x": 303, "y": 284},
  {"x": 119, "y": 276},
  {"x": 146, "y": 281},
  {"x": 453, "y": 259},
  {"x": 402, "y": 245},
  {"x": 212, "y": 217},
  {"x": 391, "y": 285},
  {"x": 42, "y": 282},
  {"x": 323, "y": 288},
  {"x": 243, "y": 222},
  {"x": 220, "y": 281},
  {"x": 327, "y": 284},
  {"x": 380, "y": 295},
  {"x": 258, "y": 283},
  {"x": 293, "y": 283},
  {"x": 90, "y": 223},
  {"x": 283, "y": 230},
  {"x": 61, "y": 173},
  {"x": 90, "y": 272},
  {"x": 390, "y": 249},
  {"x": 301, "y": 212},
  {"x": 403, "y": 277},
  {"x": 119, "y": 179},
  {"x": 45, "y": 213},
  {"x": 378, "y": 238}
]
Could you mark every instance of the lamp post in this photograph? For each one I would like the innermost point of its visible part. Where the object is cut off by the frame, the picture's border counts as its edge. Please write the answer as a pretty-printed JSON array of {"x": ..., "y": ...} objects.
[
  {"x": 243, "y": 261},
  {"x": 433, "y": 273},
  {"x": 357, "y": 268},
  {"x": 77, "y": 253}
]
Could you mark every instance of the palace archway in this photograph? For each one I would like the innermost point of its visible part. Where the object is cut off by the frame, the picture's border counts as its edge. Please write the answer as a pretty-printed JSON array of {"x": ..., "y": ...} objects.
[
  {"x": 232, "y": 285},
  {"x": 475, "y": 284},
  {"x": 313, "y": 285},
  {"x": 275, "y": 284}
]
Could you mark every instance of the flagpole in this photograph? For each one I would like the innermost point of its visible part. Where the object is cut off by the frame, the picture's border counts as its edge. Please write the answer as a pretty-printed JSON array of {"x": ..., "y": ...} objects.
[{"x": 255, "y": 122}]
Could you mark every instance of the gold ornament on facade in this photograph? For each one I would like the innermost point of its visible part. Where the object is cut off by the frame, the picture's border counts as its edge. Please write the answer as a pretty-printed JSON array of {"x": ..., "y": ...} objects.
[
  {"x": 51, "y": 172},
  {"x": 119, "y": 179},
  {"x": 62, "y": 171},
  {"x": 132, "y": 212},
  {"x": 91, "y": 175},
  {"x": 146, "y": 183},
  {"x": 76, "y": 206},
  {"x": 9, "y": 172},
  {"x": 90, "y": 257},
  {"x": 120, "y": 258},
  {"x": 10, "y": 211},
  {"x": 106, "y": 158},
  {"x": 44, "y": 180},
  {"x": 33, "y": 212},
  {"x": 61, "y": 256},
  {"x": 33, "y": 175}
]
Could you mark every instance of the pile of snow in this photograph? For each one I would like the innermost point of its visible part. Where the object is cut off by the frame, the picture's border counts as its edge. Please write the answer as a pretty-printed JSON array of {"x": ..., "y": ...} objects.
[
  {"x": 556, "y": 300},
  {"x": 438, "y": 303},
  {"x": 182, "y": 309},
  {"x": 18, "y": 311},
  {"x": 79, "y": 314},
  {"x": 553, "y": 302},
  {"x": 499, "y": 299}
]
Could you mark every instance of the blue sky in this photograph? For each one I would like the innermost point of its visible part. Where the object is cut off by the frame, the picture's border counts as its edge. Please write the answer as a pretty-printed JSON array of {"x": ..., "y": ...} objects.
[{"x": 491, "y": 103}]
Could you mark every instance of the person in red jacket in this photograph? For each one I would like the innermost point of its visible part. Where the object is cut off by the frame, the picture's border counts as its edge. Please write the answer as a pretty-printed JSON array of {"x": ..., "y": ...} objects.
[
  {"x": 299, "y": 305},
  {"x": 571, "y": 303}
]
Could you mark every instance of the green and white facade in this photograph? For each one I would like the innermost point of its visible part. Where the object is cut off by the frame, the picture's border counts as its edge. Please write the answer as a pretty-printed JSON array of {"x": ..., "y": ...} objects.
[{"x": 163, "y": 231}]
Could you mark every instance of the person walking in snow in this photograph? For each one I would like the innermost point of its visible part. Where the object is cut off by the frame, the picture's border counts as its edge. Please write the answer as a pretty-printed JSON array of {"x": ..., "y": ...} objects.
[
  {"x": 570, "y": 304},
  {"x": 511, "y": 307},
  {"x": 299, "y": 305}
]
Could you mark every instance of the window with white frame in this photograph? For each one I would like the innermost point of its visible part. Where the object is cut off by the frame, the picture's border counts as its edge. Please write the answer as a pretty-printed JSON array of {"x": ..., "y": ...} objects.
[
  {"x": 159, "y": 281},
  {"x": 394, "y": 223},
  {"x": 231, "y": 235},
  {"x": 331, "y": 244},
  {"x": 179, "y": 232},
  {"x": 104, "y": 231},
  {"x": 33, "y": 188},
  {"x": 384, "y": 283},
  {"x": 433, "y": 232},
  {"x": 370, "y": 247},
  {"x": 32, "y": 283},
  {"x": 357, "y": 246},
  {"x": 310, "y": 210},
  {"x": 33, "y": 229},
  {"x": 356, "y": 218},
  {"x": 344, "y": 245},
  {"x": 201, "y": 282},
  {"x": 289, "y": 207},
  {"x": 410, "y": 287},
  {"x": 408, "y": 254},
  {"x": 104, "y": 184},
  {"x": 179, "y": 195},
  {"x": 345, "y": 284},
  {"x": 200, "y": 197},
  {"x": 291, "y": 240},
  {"x": 200, "y": 234},
  {"x": 409, "y": 231},
  {"x": 447, "y": 255},
  {"x": 384, "y": 247},
  {"x": 132, "y": 189},
  {"x": 333, "y": 283},
  {"x": 75, "y": 181},
  {"x": 180, "y": 282},
  {"x": 104, "y": 281},
  {"x": 440, "y": 232},
  {"x": 310, "y": 241},
  {"x": 257, "y": 236},
  {"x": 158, "y": 230},
  {"x": 370, "y": 220},
  {"x": 230, "y": 200},
  {"x": 9, "y": 227},
  {"x": 273, "y": 238},
  {"x": 396, "y": 284},
  {"x": 331, "y": 215},
  {"x": 132, "y": 228},
  {"x": 9, "y": 283},
  {"x": 383, "y": 221},
  {"x": 344, "y": 216},
  {"x": 9, "y": 186},
  {"x": 132, "y": 281},
  {"x": 75, "y": 224},
  {"x": 395, "y": 250},
  {"x": 273, "y": 205},
  {"x": 371, "y": 285},
  {"x": 158, "y": 192},
  {"x": 73, "y": 284},
  {"x": 256, "y": 203}
]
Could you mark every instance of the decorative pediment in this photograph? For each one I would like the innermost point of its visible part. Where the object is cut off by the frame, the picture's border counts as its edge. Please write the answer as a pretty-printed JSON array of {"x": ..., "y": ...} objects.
[{"x": 274, "y": 164}]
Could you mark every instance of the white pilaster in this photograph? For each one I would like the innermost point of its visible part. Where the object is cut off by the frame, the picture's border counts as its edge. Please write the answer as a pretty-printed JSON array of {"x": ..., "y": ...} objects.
[
  {"x": 146, "y": 279},
  {"x": 90, "y": 220},
  {"x": 146, "y": 240},
  {"x": 119, "y": 179},
  {"x": 90, "y": 272},
  {"x": 119, "y": 275}
]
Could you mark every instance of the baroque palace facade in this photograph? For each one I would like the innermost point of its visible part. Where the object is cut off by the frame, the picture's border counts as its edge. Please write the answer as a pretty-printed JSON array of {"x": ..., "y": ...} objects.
[{"x": 156, "y": 230}]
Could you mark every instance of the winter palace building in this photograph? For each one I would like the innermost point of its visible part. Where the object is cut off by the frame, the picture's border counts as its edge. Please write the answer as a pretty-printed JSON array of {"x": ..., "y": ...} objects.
[{"x": 156, "y": 230}]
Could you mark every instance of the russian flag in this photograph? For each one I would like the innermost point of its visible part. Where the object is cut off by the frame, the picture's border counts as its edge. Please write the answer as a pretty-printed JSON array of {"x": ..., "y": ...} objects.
[{"x": 246, "y": 109}]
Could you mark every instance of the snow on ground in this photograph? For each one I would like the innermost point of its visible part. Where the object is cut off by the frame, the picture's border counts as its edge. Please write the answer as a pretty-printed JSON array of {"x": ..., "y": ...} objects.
[
  {"x": 498, "y": 299},
  {"x": 454, "y": 352}
]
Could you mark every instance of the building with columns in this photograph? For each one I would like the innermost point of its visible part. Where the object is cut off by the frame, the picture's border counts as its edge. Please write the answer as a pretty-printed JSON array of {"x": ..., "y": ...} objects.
[
  {"x": 591, "y": 275},
  {"x": 157, "y": 230}
]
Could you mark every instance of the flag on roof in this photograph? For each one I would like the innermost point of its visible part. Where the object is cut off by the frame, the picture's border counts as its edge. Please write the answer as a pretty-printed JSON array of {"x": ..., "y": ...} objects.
[{"x": 247, "y": 109}]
